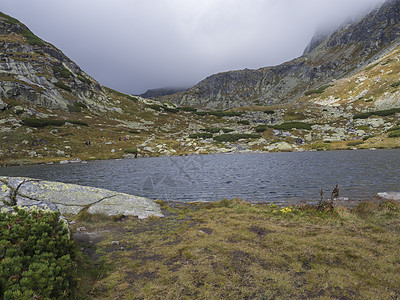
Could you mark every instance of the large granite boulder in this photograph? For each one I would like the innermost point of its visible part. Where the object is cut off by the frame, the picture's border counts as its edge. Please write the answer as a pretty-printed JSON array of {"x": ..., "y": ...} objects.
[
  {"x": 395, "y": 196},
  {"x": 72, "y": 198}
]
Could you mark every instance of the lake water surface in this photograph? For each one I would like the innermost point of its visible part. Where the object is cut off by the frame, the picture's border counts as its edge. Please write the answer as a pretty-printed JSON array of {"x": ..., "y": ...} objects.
[{"x": 270, "y": 177}]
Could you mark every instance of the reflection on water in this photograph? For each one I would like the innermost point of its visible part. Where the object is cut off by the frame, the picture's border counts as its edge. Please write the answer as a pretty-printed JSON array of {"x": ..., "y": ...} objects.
[{"x": 277, "y": 177}]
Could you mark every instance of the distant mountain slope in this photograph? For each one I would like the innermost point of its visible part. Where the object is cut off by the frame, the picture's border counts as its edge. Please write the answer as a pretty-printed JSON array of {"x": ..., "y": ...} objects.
[
  {"x": 153, "y": 93},
  {"x": 35, "y": 71},
  {"x": 325, "y": 59}
]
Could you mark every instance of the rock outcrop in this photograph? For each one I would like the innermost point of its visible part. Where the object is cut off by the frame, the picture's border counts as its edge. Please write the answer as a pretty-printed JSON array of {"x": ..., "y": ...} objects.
[
  {"x": 325, "y": 59},
  {"x": 72, "y": 198}
]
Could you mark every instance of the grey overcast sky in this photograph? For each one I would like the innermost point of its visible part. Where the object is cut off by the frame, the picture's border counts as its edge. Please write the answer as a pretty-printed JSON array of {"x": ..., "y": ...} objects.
[{"x": 135, "y": 45}]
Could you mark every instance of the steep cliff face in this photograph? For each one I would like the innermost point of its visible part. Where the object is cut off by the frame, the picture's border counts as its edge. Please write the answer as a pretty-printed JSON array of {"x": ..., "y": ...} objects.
[
  {"x": 325, "y": 59},
  {"x": 34, "y": 71}
]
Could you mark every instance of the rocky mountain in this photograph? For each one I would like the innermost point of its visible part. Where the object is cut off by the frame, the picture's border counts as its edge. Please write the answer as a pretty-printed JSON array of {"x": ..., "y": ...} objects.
[
  {"x": 325, "y": 59},
  {"x": 34, "y": 71}
]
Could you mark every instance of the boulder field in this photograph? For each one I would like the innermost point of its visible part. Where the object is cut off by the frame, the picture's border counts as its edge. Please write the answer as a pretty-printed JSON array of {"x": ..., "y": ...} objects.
[{"x": 72, "y": 198}]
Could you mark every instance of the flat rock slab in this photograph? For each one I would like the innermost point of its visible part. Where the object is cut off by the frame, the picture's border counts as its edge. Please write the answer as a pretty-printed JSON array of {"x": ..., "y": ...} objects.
[{"x": 72, "y": 198}]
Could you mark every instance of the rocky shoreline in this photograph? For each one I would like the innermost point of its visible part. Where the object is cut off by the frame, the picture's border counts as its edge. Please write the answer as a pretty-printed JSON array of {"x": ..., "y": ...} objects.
[{"x": 71, "y": 198}]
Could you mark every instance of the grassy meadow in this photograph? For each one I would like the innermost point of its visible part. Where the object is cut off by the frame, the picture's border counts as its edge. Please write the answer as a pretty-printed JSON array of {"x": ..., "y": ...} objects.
[{"x": 237, "y": 250}]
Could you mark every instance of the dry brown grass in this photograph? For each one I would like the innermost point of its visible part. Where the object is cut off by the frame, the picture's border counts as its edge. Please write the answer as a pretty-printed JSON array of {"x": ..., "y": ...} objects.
[{"x": 238, "y": 250}]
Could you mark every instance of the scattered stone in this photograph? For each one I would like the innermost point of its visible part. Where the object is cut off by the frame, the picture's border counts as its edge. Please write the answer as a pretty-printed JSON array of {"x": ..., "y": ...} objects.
[
  {"x": 60, "y": 153},
  {"x": 3, "y": 105}
]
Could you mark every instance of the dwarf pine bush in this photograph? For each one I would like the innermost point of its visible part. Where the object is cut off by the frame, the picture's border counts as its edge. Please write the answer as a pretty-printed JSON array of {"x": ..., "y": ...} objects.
[{"x": 36, "y": 256}]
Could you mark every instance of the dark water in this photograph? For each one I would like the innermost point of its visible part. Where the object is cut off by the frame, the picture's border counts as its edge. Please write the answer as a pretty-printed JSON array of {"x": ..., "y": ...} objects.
[{"x": 277, "y": 177}]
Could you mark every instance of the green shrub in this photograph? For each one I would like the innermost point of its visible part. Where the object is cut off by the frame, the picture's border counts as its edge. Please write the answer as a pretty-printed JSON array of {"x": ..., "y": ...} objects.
[
  {"x": 382, "y": 113},
  {"x": 63, "y": 86},
  {"x": 78, "y": 122},
  {"x": 387, "y": 112},
  {"x": 370, "y": 67},
  {"x": 84, "y": 79},
  {"x": 161, "y": 108},
  {"x": 235, "y": 137},
  {"x": 155, "y": 107},
  {"x": 261, "y": 128},
  {"x": 364, "y": 115},
  {"x": 201, "y": 135},
  {"x": 131, "y": 151},
  {"x": 134, "y": 131},
  {"x": 387, "y": 62},
  {"x": 368, "y": 137},
  {"x": 31, "y": 38},
  {"x": 188, "y": 108},
  {"x": 62, "y": 72},
  {"x": 217, "y": 130},
  {"x": 36, "y": 256},
  {"x": 319, "y": 90},
  {"x": 244, "y": 122},
  {"x": 293, "y": 125},
  {"x": 219, "y": 113},
  {"x": 171, "y": 110},
  {"x": 32, "y": 122},
  {"x": 394, "y": 134},
  {"x": 132, "y": 98},
  {"x": 396, "y": 128},
  {"x": 269, "y": 112}
]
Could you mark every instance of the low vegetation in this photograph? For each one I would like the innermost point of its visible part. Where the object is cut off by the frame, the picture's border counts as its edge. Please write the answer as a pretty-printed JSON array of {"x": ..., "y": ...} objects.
[
  {"x": 201, "y": 135},
  {"x": 395, "y": 84},
  {"x": 244, "y": 122},
  {"x": 319, "y": 90},
  {"x": 217, "y": 130},
  {"x": 381, "y": 113},
  {"x": 219, "y": 113},
  {"x": 62, "y": 72},
  {"x": 33, "y": 122},
  {"x": 237, "y": 250},
  {"x": 63, "y": 86},
  {"x": 36, "y": 256},
  {"x": 394, "y": 134}
]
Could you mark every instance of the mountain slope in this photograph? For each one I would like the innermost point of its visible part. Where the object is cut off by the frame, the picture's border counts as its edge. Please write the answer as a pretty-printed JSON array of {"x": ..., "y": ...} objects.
[
  {"x": 34, "y": 71},
  {"x": 325, "y": 59}
]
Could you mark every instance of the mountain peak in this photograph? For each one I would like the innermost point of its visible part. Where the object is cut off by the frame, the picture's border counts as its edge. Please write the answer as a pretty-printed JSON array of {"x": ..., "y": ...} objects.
[{"x": 329, "y": 56}]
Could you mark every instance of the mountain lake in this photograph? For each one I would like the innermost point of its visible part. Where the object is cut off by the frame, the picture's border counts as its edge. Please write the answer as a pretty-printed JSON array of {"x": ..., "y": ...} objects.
[{"x": 282, "y": 178}]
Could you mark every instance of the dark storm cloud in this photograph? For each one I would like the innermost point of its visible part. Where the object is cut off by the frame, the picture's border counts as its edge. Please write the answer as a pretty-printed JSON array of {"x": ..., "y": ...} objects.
[{"x": 140, "y": 44}]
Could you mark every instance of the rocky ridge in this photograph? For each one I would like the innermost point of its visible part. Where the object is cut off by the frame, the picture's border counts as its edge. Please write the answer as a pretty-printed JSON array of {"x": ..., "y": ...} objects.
[{"x": 325, "y": 59}]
